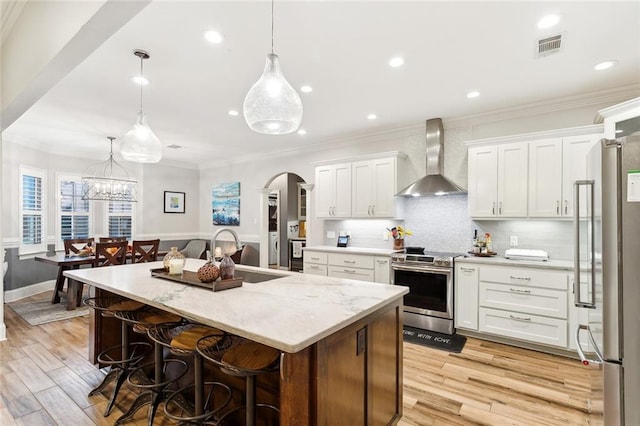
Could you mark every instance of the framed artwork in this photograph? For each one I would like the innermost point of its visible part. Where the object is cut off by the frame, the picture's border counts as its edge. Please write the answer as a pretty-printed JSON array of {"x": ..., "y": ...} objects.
[
  {"x": 225, "y": 205},
  {"x": 173, "y": 202}
]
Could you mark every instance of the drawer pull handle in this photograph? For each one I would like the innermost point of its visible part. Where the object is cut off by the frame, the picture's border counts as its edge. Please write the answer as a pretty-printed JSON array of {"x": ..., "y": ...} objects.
[
  {"x": 520, "y": 278},
  {"x": 515, "y": 290},
  {"x": 519, "y": 318},
  {"x": 468, "y": 269},
  {"x": 313, "y": 267},
  {"x": 314, "y": 258},
  {"x": 349, "y": 261},
  {"x": 382, "y": 262},
  {"x": 349, "y": 271}
]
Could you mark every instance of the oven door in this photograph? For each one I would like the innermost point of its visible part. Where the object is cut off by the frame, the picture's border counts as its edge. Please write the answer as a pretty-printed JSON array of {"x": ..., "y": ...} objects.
[{"x": 430, "y": 289}]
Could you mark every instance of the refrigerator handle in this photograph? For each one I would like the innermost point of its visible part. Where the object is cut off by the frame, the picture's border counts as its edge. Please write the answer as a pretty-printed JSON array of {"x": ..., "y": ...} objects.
[
  {"x": 576, "y": 269},
  {"x": 583, "y": 358}
]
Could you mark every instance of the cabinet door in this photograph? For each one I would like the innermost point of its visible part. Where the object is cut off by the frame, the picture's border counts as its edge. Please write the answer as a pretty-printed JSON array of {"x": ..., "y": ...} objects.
[
  {"x": 545, "y": 178},
  {"x": 482, "y": 181},
  {"x": 466, "y": 296},
  {"x": 574, "y": 166},
  {"x": 384, "y": 187},
  {"x": 382, "y": 270},
  {"x": 361, "y": 191},
  {"x": 324, "y": 190},
  {"x": 342, "y": 190},
  {"x": 512, "y": 180}
]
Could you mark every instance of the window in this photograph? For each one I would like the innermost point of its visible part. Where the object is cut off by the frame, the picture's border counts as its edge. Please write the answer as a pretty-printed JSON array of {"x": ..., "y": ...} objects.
[
  {"x": 120, "y": 219},
  {"x": 74, "y": 215},
  {"x": 32, "y": 211}
]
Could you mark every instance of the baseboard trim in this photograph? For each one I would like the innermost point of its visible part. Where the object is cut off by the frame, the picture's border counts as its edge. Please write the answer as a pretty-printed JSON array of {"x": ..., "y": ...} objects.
[{"x": 30, "y": 290}]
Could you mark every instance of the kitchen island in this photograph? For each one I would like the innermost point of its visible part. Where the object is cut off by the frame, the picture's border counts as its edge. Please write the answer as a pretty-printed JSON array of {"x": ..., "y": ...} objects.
[{"x": 340, "y": 339}]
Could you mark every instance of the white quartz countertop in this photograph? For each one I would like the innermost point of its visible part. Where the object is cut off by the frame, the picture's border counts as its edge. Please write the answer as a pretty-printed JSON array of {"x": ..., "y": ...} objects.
[
  {"x": 288, "y": 313},
  {"x": 354, "y": 250},
  {"x": 503, "y": 261}
]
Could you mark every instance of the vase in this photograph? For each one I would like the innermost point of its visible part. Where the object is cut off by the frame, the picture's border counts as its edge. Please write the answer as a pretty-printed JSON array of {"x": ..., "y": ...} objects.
[
  {"x": 398, "y": 244},
  {"x": 178, "y": 261},
  {"x": 227, "y": 268}
]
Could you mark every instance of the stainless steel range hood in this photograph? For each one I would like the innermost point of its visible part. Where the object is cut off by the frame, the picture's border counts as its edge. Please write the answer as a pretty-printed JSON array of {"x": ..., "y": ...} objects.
[{"x": 433, "y": 183}]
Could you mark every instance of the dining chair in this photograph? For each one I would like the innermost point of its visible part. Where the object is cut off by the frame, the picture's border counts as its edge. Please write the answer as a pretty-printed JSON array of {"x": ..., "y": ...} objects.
[
  {"x": 144, "y": 251},
  {"x": 111, "y": 253},
  {"x": 194, "y": 249},
  {"x": 74, "y": 245},
  {"x": 111, "y": 239}
]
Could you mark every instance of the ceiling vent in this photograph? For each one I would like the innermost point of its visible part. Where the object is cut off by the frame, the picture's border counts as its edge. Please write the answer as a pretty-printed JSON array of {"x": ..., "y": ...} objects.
[{"x": 549, "y": 45}]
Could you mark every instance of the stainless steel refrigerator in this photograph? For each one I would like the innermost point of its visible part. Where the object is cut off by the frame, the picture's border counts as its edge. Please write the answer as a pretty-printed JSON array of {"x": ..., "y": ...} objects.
[{"x": 607, "y": 270}]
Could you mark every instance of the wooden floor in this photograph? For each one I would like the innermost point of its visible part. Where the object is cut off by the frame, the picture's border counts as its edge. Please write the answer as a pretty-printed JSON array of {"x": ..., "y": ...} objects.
[{"x": 45, "y": 378}]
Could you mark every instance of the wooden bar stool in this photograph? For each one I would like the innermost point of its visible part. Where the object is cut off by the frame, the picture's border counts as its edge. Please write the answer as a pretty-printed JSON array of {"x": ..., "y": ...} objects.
[
  {"x": 121, "y": 358},
  {"x": 244, "y": 358},
  {"x": 182, "y": 340},
  {"x": 154, "y": 391}
]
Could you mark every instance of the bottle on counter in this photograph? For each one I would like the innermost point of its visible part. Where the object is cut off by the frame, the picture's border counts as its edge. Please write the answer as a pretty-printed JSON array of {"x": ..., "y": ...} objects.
[
  {"x": 227, "y": 268},
  {"x": 475, "y": 247},
  {"x": 488, "y": 243}
]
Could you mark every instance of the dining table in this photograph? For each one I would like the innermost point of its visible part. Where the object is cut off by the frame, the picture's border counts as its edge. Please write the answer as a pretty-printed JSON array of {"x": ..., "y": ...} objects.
[{"x": 66, "y": 262}]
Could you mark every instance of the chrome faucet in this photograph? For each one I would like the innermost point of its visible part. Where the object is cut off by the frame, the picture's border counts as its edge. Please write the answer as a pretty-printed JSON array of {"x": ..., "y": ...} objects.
[{"x": 232, "y": 232}]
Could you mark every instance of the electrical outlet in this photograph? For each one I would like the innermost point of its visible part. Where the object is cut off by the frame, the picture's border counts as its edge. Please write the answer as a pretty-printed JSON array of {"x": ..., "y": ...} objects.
[
  {"x": 331, "y": 234},
  {"x": 385, "y": 236},
  {"x": 513, "y": 241}
]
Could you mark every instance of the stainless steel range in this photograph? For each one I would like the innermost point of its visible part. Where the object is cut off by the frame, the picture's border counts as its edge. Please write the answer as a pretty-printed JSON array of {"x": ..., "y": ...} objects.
[{"x": 429, "y": 276}]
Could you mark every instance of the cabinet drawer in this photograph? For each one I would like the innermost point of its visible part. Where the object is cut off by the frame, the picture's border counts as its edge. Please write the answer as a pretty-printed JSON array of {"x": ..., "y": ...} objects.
[
  {"x": 351, "y": 260},
  {"x": 315, "y": 257},
  {"x": 549, "y": 331},
  {"x": 531, "y": 300},
  {"x": 525, "y": 276},
  {"x": 351, "y": 273},
  {"x": 315, "y": 269}
]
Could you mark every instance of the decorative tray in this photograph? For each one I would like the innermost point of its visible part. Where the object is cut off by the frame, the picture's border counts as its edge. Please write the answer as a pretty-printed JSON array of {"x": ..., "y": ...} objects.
[
  {"x": 191, "y": 278},
  {"x": 488, "y": 254}
]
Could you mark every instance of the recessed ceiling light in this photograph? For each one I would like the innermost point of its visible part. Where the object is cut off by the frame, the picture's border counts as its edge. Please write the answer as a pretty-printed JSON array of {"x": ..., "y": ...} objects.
[
  {"x": 213, "y": 36},
  {"x": 233, "y": 112},
  {"x": 604, "y": 65},
  {"x": 140, "y": 80},
  {"x": 306, "y": 89},
  {"x": 396, "y": 62},
  {"x": 473, "y": 94},
  {"x": 302, "y": 132},
  {"x": 548, "y": 21},
  {"x": 372, "y": 116}
]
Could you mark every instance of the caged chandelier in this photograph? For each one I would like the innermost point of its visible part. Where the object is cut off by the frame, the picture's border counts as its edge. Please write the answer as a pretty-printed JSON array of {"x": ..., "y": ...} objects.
[
  {"x": 272, "y": 106},
  {"x": 140, "y": 144},
  {"x": 108, "y": 181}
]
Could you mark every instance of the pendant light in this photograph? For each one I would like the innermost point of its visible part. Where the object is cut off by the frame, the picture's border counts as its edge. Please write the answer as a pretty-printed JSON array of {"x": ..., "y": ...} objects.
[
  {"x": 108, "y": 181},
  {"x": 140, "y": 144},
  {"x": 272, "y": 106}
]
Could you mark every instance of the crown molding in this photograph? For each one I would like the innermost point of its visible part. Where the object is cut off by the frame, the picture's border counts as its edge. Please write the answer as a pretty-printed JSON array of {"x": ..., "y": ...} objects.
[{"x": 546, "y": 134}]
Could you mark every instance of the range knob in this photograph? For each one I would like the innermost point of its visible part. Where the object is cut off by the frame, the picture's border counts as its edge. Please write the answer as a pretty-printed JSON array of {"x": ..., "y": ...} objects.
[{"x": 441, "y": 262}]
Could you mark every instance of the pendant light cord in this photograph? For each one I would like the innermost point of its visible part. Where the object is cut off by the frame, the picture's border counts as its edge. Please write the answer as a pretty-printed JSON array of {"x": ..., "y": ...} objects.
[
  {"x": 141, "y": 84},
  {"x": 272, "y": 26}
]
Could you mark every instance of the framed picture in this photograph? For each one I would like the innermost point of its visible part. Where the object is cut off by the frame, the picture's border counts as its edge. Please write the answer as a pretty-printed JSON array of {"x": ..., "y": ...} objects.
[
  {"x": 225, "y": 204},
  {"x": 173, "y": 202}
]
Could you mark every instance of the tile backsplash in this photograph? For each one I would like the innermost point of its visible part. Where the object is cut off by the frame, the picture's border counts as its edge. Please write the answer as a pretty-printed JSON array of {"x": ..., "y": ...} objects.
[{"x": 443, "y": 224}]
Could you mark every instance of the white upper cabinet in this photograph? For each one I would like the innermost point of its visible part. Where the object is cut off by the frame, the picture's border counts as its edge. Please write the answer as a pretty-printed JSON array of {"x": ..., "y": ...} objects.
[
  {"x": 498, "y": 181},
  {"x": 333, "y": 190},
  {"x": 373, "y": 188},
  {"x": 554, "y": 165},
  {"x": 528, "y": 175},
  {"x": 363, "y": 188}
]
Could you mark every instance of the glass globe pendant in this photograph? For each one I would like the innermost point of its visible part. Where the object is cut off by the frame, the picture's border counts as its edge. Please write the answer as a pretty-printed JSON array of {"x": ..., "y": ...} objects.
[
  {"x": 272, "y": 106},
  {"x": 140, "y": 144}
]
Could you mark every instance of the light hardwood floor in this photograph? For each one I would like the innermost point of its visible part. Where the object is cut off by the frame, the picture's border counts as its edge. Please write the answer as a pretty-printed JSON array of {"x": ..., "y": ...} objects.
[{"x": 45, "y": 378}]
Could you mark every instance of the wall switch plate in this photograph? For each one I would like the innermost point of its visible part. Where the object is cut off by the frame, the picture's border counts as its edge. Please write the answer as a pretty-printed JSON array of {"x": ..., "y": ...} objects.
[
  {"x": 385, "y": 236},
  {"x": 331, "y": 234},
  {"x": 513, "y": 241}
]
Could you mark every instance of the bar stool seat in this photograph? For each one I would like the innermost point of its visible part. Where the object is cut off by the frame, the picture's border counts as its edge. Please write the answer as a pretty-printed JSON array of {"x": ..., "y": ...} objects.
[
  {"x": 122, "y": 358},
  {"x": 241, "y": 357},
  {"x": 181, "y": 339},
  {"x": 154, "y": 391}
]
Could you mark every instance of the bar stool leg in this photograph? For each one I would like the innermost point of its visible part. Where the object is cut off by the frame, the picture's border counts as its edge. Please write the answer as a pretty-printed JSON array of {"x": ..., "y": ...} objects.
[{"x": 251, "y": 400}]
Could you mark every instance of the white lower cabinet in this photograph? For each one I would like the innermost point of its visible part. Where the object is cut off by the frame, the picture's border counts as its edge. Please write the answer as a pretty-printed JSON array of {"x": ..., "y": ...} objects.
[
  {"x": 530, "y": 304},
  {"x": 466, "y": 296},
  {"x": 361, "y": 267}
]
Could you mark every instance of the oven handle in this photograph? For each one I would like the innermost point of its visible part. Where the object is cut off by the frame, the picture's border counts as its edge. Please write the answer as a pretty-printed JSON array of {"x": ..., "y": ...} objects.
[{"x": 419, "y": 269}]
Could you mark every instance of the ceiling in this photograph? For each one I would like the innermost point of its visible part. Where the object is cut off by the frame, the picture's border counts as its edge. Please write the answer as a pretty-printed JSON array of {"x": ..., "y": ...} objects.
[{"x": 339, "y": 48}]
